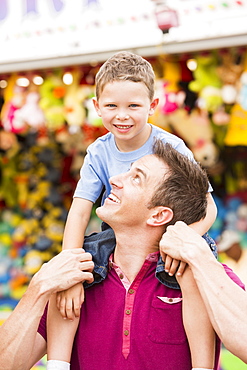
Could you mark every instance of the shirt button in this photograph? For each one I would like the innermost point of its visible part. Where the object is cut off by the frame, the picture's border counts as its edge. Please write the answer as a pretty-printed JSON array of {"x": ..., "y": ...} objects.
[
  {"x": 131, "y": 291},
  {"x": 126, "y": 332},
  {"x": 121, "y": 276},
  {"x": 128, "y": 312},
  {"x": 170, "y": 300}
]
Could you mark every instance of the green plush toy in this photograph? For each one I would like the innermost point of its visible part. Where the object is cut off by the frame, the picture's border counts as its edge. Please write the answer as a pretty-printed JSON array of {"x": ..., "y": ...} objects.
[
  {"x": 207, "y": 83},
  {"x": 51, "y": 102}
]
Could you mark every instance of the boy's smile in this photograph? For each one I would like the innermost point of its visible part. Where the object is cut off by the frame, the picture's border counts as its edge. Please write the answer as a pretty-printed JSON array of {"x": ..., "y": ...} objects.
[{"x": 125, "y": 107}]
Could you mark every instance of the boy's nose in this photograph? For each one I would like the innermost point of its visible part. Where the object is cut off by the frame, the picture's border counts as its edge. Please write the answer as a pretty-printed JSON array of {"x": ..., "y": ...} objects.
[{"x": 122, "y": 117}]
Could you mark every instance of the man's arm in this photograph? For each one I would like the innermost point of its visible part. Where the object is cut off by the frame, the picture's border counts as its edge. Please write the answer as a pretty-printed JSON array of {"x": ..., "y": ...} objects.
[
  {"x": 225, "y": 301},
  {"x": 20, "y": 344}
]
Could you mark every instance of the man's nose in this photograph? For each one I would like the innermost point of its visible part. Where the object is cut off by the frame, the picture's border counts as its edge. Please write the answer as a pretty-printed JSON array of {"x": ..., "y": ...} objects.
[{"x": 116, "y": 181}]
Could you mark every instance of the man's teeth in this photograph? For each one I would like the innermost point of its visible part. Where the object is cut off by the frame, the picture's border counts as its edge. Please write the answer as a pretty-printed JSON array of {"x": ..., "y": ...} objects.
[{"x": 114, "y": 198}]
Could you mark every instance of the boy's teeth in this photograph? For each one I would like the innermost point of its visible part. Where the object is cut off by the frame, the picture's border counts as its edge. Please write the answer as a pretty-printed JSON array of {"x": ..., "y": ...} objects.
[
  {"x": 114, "y": 198},
  {"x": 123, "y": 127}
]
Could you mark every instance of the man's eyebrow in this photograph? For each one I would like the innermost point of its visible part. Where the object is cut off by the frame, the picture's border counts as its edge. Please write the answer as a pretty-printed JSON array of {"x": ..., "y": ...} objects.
[
  {"x": 142, "y": 172},
  {"x": 139, "y": 170}
]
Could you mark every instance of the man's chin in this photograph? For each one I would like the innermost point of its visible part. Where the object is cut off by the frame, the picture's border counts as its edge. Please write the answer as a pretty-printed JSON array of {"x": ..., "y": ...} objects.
[{"x": 100, "y": 213}]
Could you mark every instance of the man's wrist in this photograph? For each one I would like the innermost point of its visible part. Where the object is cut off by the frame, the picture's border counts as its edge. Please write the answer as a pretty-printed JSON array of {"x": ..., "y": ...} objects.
[
  {"x": 198, "y": 252},
  {"x": 202, "y": 261},
  {"x": 40, "y": 287}
]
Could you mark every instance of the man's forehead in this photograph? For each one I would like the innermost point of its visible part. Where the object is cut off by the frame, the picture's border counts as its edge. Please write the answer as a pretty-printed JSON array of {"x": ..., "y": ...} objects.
[
  {"x": 141, "y": 161},
  {"x": 149, "y": 163}
]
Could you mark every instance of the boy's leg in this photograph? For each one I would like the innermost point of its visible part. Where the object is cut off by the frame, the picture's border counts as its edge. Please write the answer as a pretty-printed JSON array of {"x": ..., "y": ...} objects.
[
  {"x": 211, "y": 243},
  {"x": 200, "y": 333},
  {"x": 60, "y": 336}
]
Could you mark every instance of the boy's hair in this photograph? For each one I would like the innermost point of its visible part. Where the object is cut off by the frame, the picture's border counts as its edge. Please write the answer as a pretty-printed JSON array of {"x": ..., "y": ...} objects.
[
  {"x": 125, "y": 66},
  {"x": 184, "y": 188}
]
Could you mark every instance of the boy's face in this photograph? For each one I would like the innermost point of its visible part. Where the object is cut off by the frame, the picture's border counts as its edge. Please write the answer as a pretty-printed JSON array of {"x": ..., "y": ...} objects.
[{"x": 125, "y": 107}]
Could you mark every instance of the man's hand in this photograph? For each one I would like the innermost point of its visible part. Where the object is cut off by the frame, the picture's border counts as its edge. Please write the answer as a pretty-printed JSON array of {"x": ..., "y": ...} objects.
[
  {"x": 69, "y": 301},
  {"x": 180, "y": 242},
  {"x": 68, "y": 268}
]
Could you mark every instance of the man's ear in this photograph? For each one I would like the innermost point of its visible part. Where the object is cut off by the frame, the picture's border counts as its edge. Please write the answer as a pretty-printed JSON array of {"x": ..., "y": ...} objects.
[
  {"x": 160, "y": 216},
  {"x": 153, "y": 106},
  {"x": 96, "y": 106}
]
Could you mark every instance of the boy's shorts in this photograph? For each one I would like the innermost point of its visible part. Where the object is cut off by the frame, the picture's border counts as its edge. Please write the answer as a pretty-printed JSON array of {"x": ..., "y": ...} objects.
[{"x": 101, "y": 245}]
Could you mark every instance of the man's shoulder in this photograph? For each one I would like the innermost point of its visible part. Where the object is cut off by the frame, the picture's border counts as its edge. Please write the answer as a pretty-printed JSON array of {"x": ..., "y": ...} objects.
[{"x": 233, "y": 276}]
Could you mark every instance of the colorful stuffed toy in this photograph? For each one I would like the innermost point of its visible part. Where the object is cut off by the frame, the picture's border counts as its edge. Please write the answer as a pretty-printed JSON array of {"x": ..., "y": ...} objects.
[
  {"x": 31, "y": 113},
  {"x": 229, "y": 71},
  {"x": 52, "y": 93},
  {"x": 11, "y": 119},
  {"x": 74, "y": 109},
  {"x": 207, "y": 83},
  {"x": 196, "y": 130},
  {"x": 237, "y": 127},
  {"x": 242, "y": 95},
  {"x": 171, "y": 76}
]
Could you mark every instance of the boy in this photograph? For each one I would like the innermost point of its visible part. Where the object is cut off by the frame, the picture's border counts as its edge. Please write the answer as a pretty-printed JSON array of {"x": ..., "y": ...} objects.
[{"x": 124, "y": 100}]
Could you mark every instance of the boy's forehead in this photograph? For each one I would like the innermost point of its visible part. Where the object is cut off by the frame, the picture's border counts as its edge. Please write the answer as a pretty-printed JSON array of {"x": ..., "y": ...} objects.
[{"x": 127, "y": 82}]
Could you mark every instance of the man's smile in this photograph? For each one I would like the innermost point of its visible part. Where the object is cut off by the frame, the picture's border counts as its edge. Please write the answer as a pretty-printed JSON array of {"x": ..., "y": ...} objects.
[{"x": 114, "y": 198}]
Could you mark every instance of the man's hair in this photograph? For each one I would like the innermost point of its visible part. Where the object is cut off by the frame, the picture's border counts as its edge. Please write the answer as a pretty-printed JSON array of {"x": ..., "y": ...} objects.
[
  {"x": 184, "y": 187},
  {"x": 125, "y": 66}
]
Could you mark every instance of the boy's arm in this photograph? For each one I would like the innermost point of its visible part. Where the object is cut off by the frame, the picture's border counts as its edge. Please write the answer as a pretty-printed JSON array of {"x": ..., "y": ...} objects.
[
  {"x": 198, "y": 328},
  {"x": 77, "y": 222},
  {"x": 202, "y": 226},
  {"x": 70, "y": 301}
]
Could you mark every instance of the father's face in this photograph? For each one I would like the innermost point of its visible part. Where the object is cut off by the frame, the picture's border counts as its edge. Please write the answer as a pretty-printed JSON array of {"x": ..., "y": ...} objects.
[{"x": 132, "y": 191}]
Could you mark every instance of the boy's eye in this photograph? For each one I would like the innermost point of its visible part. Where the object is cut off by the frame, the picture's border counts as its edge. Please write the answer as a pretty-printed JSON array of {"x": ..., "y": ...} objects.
[
  {"x": 133, "y": 105},
  {"x": 111, "y": 105}
]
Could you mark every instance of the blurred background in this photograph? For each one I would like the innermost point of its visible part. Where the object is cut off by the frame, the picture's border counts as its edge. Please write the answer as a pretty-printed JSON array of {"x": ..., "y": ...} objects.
[{"x": 50, "y": 53}]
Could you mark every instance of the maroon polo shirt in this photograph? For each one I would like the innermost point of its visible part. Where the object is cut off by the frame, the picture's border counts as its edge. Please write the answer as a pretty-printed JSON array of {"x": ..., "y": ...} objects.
[{"x": 132, "y": 326}]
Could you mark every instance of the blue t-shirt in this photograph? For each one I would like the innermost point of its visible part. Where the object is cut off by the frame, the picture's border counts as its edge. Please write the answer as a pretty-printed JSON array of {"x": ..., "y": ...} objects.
[{"x": 104, "y": 160}]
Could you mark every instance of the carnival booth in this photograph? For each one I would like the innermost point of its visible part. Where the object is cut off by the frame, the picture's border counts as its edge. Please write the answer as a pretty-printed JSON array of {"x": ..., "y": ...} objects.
[{"x": 50, "y": 54}]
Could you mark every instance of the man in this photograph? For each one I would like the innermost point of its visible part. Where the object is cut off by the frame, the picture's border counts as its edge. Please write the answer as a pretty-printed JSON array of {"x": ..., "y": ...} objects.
[
  {"x": 226, "y": 303},
  {"x": 18, "y": 333},
  {"x": 131, "y": 320}
]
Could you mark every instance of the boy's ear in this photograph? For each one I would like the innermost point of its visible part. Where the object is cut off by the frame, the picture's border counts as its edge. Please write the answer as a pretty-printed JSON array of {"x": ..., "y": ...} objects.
[
  {"x": 153, "y": 106},
  {"x": 96, "y": 106},
  {"x": 160, "y": 216}
]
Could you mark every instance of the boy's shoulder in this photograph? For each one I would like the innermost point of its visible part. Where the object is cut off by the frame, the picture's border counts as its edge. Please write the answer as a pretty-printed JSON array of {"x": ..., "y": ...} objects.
[
  {"x": 166, "y": 136},
  {"x": 102, "y": 140}
]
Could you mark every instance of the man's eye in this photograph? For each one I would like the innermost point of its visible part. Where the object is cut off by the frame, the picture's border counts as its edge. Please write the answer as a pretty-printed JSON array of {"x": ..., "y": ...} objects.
[{"x": 136, "y": 179}]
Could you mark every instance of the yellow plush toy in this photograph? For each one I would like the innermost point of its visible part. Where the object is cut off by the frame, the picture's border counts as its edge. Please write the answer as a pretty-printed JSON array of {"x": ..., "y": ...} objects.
[{"x": 237, "y": 127}]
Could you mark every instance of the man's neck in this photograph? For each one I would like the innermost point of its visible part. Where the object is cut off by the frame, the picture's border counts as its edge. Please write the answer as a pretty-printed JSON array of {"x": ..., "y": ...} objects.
[{"x": 131, "y": 250}]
